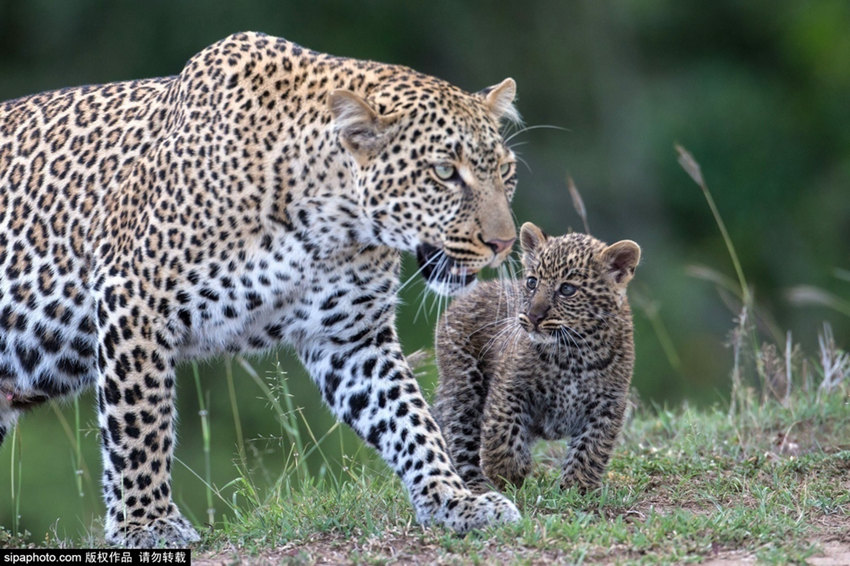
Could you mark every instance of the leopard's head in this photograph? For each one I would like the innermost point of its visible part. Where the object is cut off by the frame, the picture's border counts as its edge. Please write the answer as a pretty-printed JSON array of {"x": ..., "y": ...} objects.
[
  {"x": 574, "y": 285},
  {"x": 433, "y": 174}
]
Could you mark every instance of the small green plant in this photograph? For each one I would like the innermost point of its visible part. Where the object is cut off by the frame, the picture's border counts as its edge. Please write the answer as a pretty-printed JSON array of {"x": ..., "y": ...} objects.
[
  {"x": 16, "y": 474},
  {"x": 205, "y": 432}
]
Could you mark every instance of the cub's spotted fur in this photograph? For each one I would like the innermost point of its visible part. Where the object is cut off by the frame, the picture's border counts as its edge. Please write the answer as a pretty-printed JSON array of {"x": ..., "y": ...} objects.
[
  {"x": 549, "y": 357},
  {"x": 263, "y": 195}
]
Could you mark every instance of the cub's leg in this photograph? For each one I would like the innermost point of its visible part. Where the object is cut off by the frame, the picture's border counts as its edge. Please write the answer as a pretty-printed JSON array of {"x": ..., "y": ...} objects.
[
  {"x": 368, "y": 384},
  {"x": 592, "y": 442},
  {"x": 459, "y": 407},
  {"x": 136, "y": 417},
  {"x": 505, "y": 436}
]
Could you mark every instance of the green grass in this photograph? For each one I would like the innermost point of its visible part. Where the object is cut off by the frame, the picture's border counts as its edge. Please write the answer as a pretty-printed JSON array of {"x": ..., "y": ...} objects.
[
  {"x": 684, "y": 485},
  {"x": 769, "y": 482}
]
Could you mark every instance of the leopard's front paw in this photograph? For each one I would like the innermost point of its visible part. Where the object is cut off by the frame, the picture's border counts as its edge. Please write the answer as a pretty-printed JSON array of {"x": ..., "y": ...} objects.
[
  {"x": 166, "y": 532},
  {"x": 468, "y": 511}
]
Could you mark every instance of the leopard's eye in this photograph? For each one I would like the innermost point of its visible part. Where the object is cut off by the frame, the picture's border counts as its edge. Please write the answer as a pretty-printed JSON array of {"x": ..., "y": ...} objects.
[
  {"x": 445, "y": 171},
  {"x": 505, "y": 168},
  {"x": 568, "y": 290},
  {"x": 531, "y": 283}
]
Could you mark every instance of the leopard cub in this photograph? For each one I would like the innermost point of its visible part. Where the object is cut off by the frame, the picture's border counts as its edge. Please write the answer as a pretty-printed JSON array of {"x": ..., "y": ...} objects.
[{"x": 547, "y": 357}]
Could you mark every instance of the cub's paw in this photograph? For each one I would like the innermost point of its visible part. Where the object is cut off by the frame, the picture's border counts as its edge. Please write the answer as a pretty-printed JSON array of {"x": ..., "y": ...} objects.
[
  {"x": 167, "y": 532},
  {"x": 468, "y": 512},
  {"x": 584, "y": 479}
]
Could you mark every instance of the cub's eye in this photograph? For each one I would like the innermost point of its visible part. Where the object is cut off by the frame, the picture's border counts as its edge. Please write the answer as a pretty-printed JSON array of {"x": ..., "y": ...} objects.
[
  {"x": 505, "y": 168},
  {"x": 568, "y": 290},
  {"x": 531, "y": 283},
  {"x": 445, "y": 171}
]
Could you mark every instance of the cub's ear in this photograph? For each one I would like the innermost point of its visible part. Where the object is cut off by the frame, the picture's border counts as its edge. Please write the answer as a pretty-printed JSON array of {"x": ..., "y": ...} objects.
[
  {"x": 362, "y": 131},
  {"x": 499, "y": 99},
  {"x": 530, "y": 239},
  {"x": 620, "y": 260}
]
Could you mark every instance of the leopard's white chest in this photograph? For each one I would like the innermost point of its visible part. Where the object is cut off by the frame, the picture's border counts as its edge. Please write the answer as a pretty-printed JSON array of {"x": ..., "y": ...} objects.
[{"x": 290, "y": 294}]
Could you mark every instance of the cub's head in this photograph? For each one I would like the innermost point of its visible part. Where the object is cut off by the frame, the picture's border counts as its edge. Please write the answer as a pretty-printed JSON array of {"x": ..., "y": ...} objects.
[
  {"x": 432, "y": 172},
  {"x": 574, "y": 284}
]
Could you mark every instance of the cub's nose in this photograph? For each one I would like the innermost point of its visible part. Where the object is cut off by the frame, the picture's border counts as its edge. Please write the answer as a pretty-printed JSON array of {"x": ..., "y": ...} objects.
[
  {"x": 498, "y": 246},
  {"x": 535, "y": 316}
]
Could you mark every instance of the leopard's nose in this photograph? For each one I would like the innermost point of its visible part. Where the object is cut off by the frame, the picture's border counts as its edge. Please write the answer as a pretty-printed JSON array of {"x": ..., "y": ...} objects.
[{"x": 498, "y": 245}]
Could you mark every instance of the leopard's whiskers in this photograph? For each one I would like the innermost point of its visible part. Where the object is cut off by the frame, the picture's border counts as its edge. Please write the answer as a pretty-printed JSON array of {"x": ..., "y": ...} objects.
[
  {"x": 441, "y": 261},
  {"x": 413, "y": 277},
  {"x": 530, "y": 128}
]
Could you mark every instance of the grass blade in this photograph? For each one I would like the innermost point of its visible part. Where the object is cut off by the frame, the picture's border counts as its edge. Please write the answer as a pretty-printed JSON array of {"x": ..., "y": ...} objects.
[
  {"x": 692, "y": 168},
  {"x": 205, "y": 432}
]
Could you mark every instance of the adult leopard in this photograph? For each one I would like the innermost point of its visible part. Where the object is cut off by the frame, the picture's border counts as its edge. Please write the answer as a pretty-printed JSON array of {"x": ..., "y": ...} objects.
[{"x": 263, "y": 195}]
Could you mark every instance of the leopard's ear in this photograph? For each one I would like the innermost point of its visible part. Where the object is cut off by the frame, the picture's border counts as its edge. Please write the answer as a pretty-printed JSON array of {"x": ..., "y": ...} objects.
[
  {"x": 499, "y": 99},
  {"x": 620, "y": 260},
  {"x": 530, "y": 239},
  {"x": 362, "y": 131}
]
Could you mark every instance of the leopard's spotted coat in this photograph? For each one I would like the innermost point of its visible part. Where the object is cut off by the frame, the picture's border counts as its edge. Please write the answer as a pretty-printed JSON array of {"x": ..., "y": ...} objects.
[{"x": 263, "y": 195}]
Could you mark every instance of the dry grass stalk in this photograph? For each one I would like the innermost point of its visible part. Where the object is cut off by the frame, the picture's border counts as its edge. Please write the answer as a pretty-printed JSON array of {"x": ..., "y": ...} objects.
[
  {"x": 578, "y": 203},
  {"x": 790, "y": 350},
  {"x": 803, "y": 295},
  {"x": 771, "y": 368},
  {"x": 835, "y": 363},
  {"x": 738, "y": 336},
  {"x": 419, "y": 359}
]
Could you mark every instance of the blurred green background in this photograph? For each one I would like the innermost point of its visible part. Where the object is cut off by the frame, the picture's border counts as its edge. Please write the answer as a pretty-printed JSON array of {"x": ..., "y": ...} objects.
[{"x": 758, "y": 91}]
